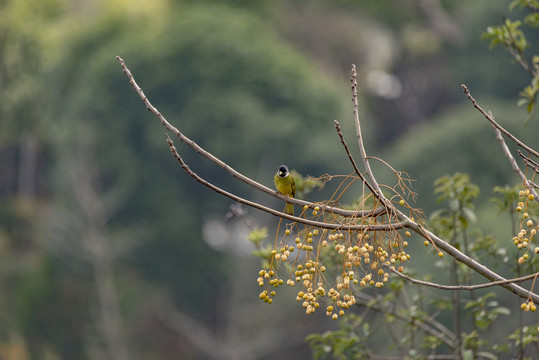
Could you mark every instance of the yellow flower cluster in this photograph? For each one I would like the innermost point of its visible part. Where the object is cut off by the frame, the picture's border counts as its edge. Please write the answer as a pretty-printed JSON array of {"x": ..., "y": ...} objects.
[
  {"x": 528, "y": 228},
  {"x": 328, "y": 264}
]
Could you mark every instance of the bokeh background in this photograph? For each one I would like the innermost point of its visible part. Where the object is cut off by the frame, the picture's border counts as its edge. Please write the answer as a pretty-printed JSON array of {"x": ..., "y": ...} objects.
[{"x": 108, "y": 250}]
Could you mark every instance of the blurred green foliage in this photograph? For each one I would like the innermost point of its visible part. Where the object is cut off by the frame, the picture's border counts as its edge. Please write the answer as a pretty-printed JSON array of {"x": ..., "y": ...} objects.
[
  {"x": 512, "y": 36},
  {"x": 79, "y": 153}
]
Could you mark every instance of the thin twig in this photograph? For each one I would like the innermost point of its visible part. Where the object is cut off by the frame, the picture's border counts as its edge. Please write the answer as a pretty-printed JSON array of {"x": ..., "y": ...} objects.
[
  {"x": 354, "y": 165},
  {"x": 403, "y": 221},
  {"x": 495, "y": 124},
  {"x": 462, "y": 287},
  {"x": 325, "y": 225},
  {"x": 228, "y": 168},
  {"x": 529, "y": 184},
  {"x": 529, "y": 162},
  {"x": 469, "y": 262},
  {"x": 508, "y": 155},
  {"x": 377, "y": 192}
]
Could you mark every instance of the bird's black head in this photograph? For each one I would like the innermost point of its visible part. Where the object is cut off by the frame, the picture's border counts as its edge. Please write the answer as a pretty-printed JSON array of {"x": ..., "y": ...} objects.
[{"x": 283, "y": 171}]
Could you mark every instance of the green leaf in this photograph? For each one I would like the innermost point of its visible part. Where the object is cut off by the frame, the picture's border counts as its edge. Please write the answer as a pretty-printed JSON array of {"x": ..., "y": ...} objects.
[{"x": 257, "y": 235}]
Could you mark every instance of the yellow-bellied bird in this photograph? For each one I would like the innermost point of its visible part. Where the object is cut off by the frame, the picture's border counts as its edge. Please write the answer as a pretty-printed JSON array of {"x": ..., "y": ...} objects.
[{"x": 286, "y": 185}]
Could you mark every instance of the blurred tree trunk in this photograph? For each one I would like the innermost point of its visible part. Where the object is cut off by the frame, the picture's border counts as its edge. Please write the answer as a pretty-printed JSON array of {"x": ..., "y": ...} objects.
[
  {"x": 81, "y": 236},
  {"x": 97, "y": 246}
]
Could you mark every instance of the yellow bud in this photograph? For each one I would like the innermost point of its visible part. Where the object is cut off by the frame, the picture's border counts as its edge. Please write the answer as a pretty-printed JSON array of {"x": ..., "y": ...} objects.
[{"x": 440, "y": 254}]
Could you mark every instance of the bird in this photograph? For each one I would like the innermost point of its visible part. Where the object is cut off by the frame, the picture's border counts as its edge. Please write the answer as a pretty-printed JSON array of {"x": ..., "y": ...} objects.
[{"x": 286, "y": 185}]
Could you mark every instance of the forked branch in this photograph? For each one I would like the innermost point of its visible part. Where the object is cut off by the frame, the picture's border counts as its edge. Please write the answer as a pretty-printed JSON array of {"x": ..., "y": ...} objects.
[
  {"x": 490, "y": 118},
  {"x": 359, "y": 221},
  {"x": 324, "y": 225},
  {"x": 234, "y": 173},
  {"x": 463, "y": 287}
]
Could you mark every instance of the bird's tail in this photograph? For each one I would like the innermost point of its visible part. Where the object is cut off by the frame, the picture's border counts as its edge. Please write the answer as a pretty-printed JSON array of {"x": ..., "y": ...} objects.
[{"x": 289, "y": 209}]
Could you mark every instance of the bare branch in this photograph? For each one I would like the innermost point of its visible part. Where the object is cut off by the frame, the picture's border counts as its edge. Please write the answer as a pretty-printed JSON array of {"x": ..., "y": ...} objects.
[
  {"x": 354, "y": 165},
  {"x": 509, "y": 156},
  {"x": 377, "y": 192},
  {"x": 529, "y": 162},
  {"x": 462, "y": 287},
  {"x": 398, "y": 219},
  {"x": 228, "y": 168},
  {"x": 324, "y": 225},
  {"x": 529, "y": 184},
  {"x": 496, "y": 125},
  {"x": 471, "y": 263}
]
